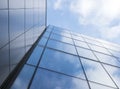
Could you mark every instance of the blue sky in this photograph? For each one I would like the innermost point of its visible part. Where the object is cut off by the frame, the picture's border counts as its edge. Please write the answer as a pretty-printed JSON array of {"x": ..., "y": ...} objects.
[{"x": 96, "y": 18}]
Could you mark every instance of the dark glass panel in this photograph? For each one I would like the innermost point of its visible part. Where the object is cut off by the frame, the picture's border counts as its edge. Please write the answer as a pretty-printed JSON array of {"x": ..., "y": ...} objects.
[
  {"x": 23, "y": 78},
  {"x": 3, "y": 27},
  {"x": 29, "y": 19},
  {"x": 4, "y": 63},
  {"x": 42, "y": 41},
  {"x": 29, "y": 37},
  {"x": 16, "y": 23},
  {"x": 49, "y": 80},
  {"x": 62, "y": 62},
  {"x": 35, "y": 56},
  {"x": 35, "y": 17},
  {"x": 17, "y": 50},
  {"x": 46, "y": 34}
]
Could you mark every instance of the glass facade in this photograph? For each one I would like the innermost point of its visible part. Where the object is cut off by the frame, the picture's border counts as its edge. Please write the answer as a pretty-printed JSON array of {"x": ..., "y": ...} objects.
[
  {"x": 66, "y": 60},
  {"x": 21, "y": 23}
]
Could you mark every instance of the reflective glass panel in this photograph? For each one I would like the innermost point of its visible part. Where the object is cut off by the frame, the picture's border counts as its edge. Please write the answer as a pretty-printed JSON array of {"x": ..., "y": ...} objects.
[
  {"x": 107, "y": 59},
  {"x": 4, "y": 63},
  {"x": 114, "y": 73},
  {"x": 86, "y": 53},
  {"x": 99, "y": 49},
  {"x": 81, "y": 44},
  {"x": 29, "y": 3},
  {"x": 28, "y": 19},
  {"x": 61, "y": 38},
  {"x": 115, "y": 53},
  {"x": 49, "y": 80},
  {"x": 23, "y": 78},
  {"x": 61, "y": 46},
  {"x": 62, "y": 32},
  {"x": 16, "y": 3},
  {"x": 29, "y": 37},
  {"x": 46, "y": 34},
  {"x": 35, "y": 56},
  {"x": 77, "y": 38},
  {"x": 16, "y": 23},
  {"x": 95, "y": 72},
  {"x": 3, "y": 4},
  {"x": 42, "y": 41},
  {"x": 62, "y": 62},
  {"x": 17, "y": 50},
  {"x": 93, "y": 42},
  {"x": 3, "y": 27},
  {"x": 98, "y": 86}
]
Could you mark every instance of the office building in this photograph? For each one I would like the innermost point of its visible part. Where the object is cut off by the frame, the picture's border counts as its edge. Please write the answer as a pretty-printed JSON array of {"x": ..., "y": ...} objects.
[
  {"x": 36, "y": 56},
  {"x": 21, "y": 23}
]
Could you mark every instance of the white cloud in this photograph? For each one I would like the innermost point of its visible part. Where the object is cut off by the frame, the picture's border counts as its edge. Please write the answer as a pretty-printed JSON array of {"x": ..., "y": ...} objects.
[
  {"x": 58, "y": 5},
  {"x": 100, "y": 13}
]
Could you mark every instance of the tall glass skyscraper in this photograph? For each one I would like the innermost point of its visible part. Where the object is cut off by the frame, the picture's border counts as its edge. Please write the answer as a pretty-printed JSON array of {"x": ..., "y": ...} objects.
[
  {"x": 36, "y": 56},
  {"x": 21, "y": 23}
]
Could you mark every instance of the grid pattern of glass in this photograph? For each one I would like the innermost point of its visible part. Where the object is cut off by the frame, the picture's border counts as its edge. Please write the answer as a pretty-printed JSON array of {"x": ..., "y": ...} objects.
[
  {"x": 54, "y": 66},
  {"x": 21, "y": 23}
]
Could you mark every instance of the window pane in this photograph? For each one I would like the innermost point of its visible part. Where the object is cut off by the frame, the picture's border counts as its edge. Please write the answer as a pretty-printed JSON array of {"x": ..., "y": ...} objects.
[
  {"x": 46, "y": 34},
  {"x": 107, "y": 59},
  {"x": 86, "y": 53},
  {"x": 16, "y": 3},
  {"x": 3, "y": 27},
  {"x": 61, "y": 46},
  {"x": 114, "y": 73},
  {"x": 42, "y": 41},
  {"x": 95, "y": 72},
  {"x": 16, "y": 23},
  {"x": 93, "y": 42},
  {"x": 3, "y": 4},
  {"x": 62, "y": 32},
  {"x": 99, "y": 49},
  {"x": 23, "y": 78},
  {"x": 115, "y": 53},
  {"x": 81, "y": 44},
  {"x": 98, "y": 86},
  {"x": 61, "y": 38},
  {"x": 62, "y": 62},
  {"x": 4, "y": 63},
  {"x": 49, "y": 80},
  {"x": 35, "y": 56},
  {"x": 77, "y": 38}
]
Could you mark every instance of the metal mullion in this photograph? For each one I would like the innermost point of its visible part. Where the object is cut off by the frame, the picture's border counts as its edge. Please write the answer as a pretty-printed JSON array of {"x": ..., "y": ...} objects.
[
  {"x": 81, "y": 63},
  {"x": 39, "y": 61},
  {"x": 102, "y": 65}
]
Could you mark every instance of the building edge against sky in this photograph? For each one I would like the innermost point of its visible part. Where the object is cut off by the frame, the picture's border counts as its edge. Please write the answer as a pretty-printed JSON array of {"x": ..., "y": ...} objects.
[
  {"x": 21, "y": 23},
  {"x": 65, "y": 59}
]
